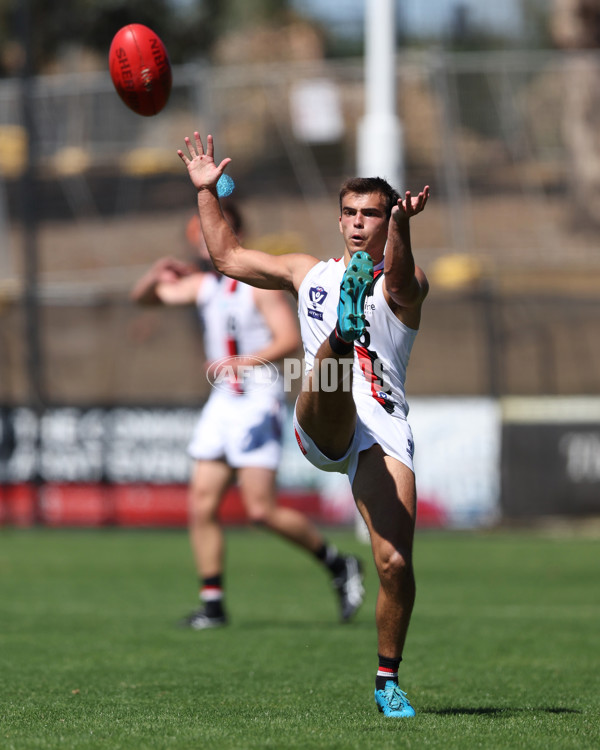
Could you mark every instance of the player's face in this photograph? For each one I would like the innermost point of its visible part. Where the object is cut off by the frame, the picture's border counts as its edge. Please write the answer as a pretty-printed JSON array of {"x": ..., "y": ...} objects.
[{"x": 364, "y": 224}]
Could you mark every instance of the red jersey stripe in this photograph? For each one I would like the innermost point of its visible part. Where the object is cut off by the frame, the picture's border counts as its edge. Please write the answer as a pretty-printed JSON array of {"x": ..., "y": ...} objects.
[{"x": 366, "y": 365}]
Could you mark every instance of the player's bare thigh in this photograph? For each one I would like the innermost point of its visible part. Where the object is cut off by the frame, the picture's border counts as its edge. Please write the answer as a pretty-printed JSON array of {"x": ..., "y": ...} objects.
[
  {"x": 258, "y": 490},
  {"x": 385, "y": 493},
  {"x": 328, "y": 415}
]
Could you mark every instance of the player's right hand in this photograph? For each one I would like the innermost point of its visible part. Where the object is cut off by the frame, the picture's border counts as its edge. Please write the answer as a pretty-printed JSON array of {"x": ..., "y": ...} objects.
[{"x": 203, "y": 171}]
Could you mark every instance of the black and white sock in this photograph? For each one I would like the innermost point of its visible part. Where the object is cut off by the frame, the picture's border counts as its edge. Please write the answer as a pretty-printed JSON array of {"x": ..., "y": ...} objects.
[
  {"x": 211, "y": 595},
  {"x": 387, "y": 670},
  {"x": 331, "y": 558}
]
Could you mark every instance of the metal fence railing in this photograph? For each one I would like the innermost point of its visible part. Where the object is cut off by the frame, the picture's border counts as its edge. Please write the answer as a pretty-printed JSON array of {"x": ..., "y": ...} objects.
[{"x": 512, "y": 256}]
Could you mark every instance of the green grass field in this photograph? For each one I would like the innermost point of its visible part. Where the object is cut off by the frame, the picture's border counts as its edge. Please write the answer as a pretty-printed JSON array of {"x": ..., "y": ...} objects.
[{"x": 503, "y": 650}]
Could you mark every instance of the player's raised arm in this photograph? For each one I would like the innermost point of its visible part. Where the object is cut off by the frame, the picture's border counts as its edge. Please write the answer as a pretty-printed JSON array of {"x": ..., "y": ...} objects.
[
  {"x": 405, "y": 283},
  {"x": 229, "y": 257}
]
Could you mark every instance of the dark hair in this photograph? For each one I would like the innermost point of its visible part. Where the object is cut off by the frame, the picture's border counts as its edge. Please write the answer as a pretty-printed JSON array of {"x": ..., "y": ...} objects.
[{"x": 363, "y": 185}]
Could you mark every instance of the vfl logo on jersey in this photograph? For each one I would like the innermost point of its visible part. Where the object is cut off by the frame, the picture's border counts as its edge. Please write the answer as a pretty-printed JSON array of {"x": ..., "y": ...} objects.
[{"x": 316, "y": 295}]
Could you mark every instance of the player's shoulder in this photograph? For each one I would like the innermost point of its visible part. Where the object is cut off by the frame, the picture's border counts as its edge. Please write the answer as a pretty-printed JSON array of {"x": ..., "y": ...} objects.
[
  {"x": 293, "y": 268},
  {"x": 303, "y": 262}
]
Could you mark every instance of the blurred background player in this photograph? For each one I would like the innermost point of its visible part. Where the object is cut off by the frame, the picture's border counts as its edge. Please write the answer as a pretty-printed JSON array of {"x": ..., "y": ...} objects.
[{"x": 240, "y": 429}]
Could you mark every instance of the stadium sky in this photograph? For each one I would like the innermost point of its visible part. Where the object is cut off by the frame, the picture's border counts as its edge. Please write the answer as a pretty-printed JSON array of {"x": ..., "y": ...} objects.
[
  {"x": 421, "y": 19},
  {"x": 431, "y": 18}
]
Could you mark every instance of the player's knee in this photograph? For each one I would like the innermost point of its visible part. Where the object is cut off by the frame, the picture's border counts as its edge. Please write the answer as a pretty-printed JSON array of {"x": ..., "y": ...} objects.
[
  {"x": 201, "y": 505},
  {"x": 395, "y": 565},
  {"x": 258, "y": 514}
]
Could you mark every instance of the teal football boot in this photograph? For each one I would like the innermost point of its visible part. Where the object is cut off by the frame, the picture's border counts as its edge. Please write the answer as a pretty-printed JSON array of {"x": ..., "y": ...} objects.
[
  {"x": 391, "y": 701},
  {"x": 356, "y": 284}
]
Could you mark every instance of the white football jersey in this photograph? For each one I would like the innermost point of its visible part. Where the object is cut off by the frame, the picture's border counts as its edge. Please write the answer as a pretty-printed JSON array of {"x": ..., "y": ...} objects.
[
  {"x": 233, "y": 326},
  {"x": 381, "y": 355}
]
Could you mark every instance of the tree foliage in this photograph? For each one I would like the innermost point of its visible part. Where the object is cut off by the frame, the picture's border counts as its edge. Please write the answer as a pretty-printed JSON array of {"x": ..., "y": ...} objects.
[{"x": 189, "y": 29}]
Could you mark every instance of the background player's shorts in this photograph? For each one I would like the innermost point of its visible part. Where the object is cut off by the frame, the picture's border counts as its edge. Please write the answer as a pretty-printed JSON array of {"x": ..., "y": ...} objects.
[
  {"x": 373, "y": 425},
  {"x": 241, "y": 430}
]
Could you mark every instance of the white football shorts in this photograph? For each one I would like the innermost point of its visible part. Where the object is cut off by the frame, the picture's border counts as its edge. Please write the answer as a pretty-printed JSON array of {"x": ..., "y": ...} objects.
[
  {"x": 373, "y": 425},
  {"x": 241, "y": 430}
]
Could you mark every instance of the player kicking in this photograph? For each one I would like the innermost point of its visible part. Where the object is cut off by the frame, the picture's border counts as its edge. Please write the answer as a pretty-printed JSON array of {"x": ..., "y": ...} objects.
[
  {"x": 239, "y": 431},
  {"x": 359, "y": 316}
]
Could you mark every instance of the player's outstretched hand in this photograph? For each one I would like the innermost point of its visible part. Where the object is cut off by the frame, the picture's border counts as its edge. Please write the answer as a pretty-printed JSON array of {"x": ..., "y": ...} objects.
[
  {"x": 410, "y": 206},
  {"x": 203, "y": 171},
  {"x": 171, "y": 268}
]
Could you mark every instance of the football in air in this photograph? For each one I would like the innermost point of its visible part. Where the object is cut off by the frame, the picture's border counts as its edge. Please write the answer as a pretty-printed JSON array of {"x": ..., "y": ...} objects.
[{"x": 140, "y": 69}]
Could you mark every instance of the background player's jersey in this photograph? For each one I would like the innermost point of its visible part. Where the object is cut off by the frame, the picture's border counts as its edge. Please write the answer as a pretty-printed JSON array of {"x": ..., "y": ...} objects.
[
  {"x": 380, "y": 356},
  {"x": 233, "y": 326}
]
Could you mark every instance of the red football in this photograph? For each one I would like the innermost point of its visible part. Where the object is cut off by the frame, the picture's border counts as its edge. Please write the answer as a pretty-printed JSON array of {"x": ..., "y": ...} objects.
[{"x": 140, "y": 69}]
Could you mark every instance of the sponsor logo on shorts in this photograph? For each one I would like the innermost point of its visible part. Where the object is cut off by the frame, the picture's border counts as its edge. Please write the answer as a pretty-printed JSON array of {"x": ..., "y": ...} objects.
[{"x": 317, "y": 314}]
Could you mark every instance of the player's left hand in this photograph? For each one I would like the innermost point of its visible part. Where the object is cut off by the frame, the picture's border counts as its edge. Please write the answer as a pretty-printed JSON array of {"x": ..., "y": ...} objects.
[
  {"x": 203, "y": 171},
  {"x": 410, "y": 206}
]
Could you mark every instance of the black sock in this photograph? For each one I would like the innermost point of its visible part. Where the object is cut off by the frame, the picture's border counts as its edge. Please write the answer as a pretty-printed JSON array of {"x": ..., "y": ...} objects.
[
  {"x": 331, "y": 558},
  {"x": 211, "y": 594},
  {"x": 388, "y": 670},
  {"x": 338, "y": 344}
]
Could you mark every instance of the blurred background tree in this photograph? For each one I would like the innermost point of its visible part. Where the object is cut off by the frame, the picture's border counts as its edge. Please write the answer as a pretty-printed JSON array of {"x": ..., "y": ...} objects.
[
  {"x": 57, "y": 28},
  {"x": 75, "y": 34},
  {"x": 188, "y": 28}
]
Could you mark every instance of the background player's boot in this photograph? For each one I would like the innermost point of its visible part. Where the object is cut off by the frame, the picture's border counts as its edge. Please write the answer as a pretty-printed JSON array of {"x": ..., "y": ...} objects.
[
  {"x": 349, "y": 586},
  {"x": 391, "y": 701},
  {"x": 356, "y": 284},
  {"x": 199, "y": 620}
]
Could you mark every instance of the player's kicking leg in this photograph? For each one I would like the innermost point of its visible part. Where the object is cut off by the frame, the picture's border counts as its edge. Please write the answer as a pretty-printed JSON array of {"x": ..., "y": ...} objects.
[{"x": 328, "y": 416}]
